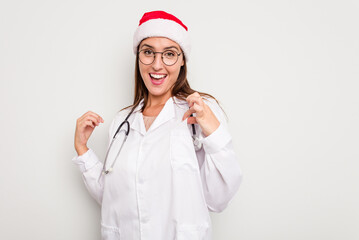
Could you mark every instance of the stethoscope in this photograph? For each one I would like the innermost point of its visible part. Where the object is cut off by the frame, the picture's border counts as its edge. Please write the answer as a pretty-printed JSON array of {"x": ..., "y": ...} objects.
[{"x": 126, "y": 128}]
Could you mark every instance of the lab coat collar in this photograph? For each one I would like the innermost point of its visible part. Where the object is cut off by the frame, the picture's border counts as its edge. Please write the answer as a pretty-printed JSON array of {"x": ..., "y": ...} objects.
[{"x": 166, "y": 114}]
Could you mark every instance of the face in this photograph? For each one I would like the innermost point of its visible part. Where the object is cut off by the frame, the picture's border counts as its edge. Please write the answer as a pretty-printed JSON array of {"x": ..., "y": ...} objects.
[{"x": 158, "y": 77}]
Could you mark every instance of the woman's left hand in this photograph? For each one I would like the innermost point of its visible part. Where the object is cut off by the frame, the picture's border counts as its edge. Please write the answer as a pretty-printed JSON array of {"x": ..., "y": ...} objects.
[{"x": 204, "y": 115}]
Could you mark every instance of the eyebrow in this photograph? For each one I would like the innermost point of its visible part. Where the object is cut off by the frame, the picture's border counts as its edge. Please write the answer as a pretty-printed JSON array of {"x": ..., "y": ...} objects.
[{"x": 146, "y": 45}]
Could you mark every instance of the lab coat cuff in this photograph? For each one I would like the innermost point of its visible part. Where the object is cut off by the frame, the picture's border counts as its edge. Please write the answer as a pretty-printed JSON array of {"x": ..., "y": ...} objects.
[
  {"x": 86, "y": 160},
  {"x": 216, "y": 140}
]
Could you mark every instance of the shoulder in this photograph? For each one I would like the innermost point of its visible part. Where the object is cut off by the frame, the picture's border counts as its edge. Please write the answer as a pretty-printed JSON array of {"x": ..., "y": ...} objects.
[
  {"x": 123, "y": 112},
  {"x": 212, "y": 103},
  {"x": 208, "y": 100},
  {"x": 119, "y": 117}
]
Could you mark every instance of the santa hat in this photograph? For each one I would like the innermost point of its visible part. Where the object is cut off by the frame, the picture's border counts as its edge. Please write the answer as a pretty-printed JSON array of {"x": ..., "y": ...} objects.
[{"x": 162, "y": 24}]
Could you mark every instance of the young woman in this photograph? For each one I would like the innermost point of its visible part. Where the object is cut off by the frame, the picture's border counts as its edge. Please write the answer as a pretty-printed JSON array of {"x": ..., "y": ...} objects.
[{"x": 172, "y": 161}]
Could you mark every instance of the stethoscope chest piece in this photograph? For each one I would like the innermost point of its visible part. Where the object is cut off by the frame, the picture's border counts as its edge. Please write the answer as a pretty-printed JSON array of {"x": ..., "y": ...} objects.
[
  {"x": 197, "y": 144},
  {"x": 107, "y": 171}
]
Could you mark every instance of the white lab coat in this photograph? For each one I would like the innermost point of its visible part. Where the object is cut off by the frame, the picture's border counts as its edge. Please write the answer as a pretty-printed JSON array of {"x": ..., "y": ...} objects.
[{"x": 160, "y": 187}]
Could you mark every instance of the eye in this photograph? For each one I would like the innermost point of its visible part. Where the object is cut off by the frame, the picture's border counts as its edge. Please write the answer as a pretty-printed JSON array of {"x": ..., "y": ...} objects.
[
  {"x": 169, "y": 54},
  {"x": 148, "y": 52}
]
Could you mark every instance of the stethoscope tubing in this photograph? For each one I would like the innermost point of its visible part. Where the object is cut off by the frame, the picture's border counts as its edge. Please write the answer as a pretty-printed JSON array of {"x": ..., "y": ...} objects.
[
  {"x": 104, "y": 171},
  {"x": 197, "y": 144}
]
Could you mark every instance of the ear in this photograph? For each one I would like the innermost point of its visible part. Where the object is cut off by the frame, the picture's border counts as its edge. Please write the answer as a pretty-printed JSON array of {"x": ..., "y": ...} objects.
[{"x": 182, "y": 62}]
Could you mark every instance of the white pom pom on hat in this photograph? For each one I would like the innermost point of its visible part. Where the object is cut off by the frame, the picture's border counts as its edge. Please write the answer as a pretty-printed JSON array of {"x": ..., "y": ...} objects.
[{"x": 162, "y": 24}]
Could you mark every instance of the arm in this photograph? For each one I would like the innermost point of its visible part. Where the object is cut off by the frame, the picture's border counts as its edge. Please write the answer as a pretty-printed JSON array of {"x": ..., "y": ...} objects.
[
  {"x": 91, "y": 169},
  {"x": 219, "y": 168}
]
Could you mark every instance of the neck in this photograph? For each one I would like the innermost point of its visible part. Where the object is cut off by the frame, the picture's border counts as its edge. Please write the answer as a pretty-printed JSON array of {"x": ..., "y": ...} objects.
[{"x": 157, "y": 100}]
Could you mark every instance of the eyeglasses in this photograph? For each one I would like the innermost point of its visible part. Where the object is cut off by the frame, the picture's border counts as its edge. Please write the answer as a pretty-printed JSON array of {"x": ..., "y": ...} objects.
[{"x": 169, "y": 57}]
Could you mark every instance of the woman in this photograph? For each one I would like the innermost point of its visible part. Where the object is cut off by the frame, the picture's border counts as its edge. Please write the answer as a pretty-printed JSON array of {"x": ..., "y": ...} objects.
[{"x": 163, "y": 184}]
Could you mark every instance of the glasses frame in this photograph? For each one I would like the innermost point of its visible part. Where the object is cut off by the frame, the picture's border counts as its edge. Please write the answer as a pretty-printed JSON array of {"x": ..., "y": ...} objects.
[{"x": 154, "y": 57}]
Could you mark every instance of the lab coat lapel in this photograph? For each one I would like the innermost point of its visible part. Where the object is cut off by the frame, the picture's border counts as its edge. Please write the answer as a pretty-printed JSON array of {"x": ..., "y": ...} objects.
[
  {"x": 166, "y": 114},
  {"x": 137, "y": 123}
]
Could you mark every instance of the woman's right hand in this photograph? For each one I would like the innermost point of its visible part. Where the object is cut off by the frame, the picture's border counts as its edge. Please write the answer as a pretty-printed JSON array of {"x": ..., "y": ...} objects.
[{"x": 84, "y": 128}]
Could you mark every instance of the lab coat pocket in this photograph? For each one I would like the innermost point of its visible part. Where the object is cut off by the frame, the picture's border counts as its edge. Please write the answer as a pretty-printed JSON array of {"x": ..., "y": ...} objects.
[
  {"x": 183, "y": 155},
  {"x": 109, "y": 232},
  {"x": 193, "y": 232}
]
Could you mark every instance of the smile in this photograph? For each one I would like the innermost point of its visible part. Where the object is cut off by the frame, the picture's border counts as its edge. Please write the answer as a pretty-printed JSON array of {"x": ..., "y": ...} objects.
[{"x": 157, "y": 78}]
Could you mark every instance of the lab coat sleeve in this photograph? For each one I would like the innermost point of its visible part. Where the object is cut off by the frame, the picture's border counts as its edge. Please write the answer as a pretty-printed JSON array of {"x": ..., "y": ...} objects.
[
  {"x": 220, "y": 171},
  {"x": 91, "y": 169}
]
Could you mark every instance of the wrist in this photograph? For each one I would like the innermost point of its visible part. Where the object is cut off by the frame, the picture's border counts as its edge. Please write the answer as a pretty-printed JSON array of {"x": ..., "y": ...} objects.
[
  {"x": 209, "y": 131},
  {"x": 81, "y": 150}
]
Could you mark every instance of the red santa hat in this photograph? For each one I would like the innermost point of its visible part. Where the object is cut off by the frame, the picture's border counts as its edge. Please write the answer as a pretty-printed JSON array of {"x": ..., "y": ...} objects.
[{"x": 162, "y": 24}]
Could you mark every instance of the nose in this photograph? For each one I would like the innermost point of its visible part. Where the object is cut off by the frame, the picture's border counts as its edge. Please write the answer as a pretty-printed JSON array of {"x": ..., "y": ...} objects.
[{"x": 157, "y": 63}]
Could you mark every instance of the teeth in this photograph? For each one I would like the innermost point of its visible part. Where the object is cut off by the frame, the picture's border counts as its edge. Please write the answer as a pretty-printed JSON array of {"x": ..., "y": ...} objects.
[{"x": 157, "y": 76}]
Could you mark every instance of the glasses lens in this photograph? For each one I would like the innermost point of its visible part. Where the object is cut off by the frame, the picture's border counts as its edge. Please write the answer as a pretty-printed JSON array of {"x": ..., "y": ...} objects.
[
  {"x": 146, "y": 56},
  {"x": 169, "y": 57}
]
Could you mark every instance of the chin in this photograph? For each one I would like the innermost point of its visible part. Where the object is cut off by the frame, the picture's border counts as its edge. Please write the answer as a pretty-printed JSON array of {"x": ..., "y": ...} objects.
[{"x": 157, "y": 93}]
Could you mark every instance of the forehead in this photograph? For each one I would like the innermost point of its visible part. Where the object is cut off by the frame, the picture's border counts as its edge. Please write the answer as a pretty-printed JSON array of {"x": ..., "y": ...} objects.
[{"x": 159, "y": 42}]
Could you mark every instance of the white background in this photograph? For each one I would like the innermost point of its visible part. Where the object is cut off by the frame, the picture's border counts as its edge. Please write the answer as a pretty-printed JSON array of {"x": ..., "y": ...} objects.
[{"x": 286, "y": 73}]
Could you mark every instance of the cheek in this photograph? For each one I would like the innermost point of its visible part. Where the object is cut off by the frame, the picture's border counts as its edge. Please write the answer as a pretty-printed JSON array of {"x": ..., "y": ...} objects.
[
  {"x": 175, "y": 72},
  {"x": 143, "y": 71}
]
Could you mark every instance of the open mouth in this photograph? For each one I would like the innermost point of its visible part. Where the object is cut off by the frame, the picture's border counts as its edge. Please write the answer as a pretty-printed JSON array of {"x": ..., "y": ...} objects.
[{"x": 157, "y": 79}]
